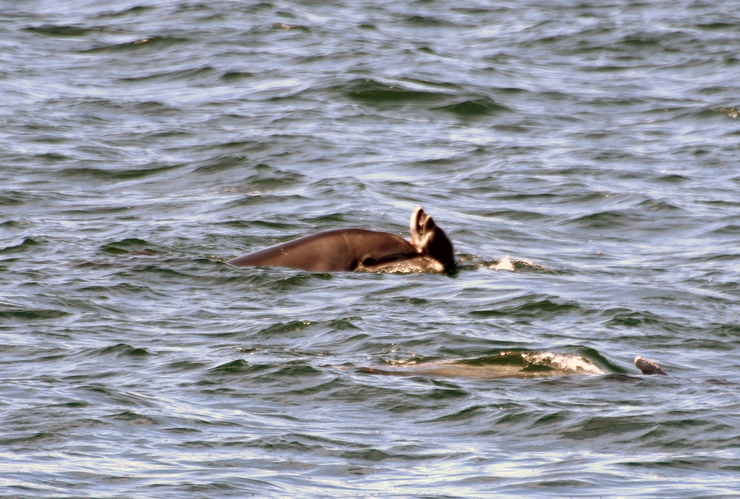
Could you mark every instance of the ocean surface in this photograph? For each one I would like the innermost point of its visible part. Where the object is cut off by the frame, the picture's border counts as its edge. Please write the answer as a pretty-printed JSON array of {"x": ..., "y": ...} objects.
[{"x": 582, "y": 155}]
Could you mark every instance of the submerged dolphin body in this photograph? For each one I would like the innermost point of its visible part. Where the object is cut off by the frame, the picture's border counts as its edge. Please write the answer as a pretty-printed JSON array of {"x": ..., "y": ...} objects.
[
  {"x": 524, "y": 365},
  {"x": 430, "y": 250}
]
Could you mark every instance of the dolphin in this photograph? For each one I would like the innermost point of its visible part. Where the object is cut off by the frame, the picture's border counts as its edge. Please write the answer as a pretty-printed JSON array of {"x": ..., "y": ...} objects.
[{"x": 351, "y": 250}]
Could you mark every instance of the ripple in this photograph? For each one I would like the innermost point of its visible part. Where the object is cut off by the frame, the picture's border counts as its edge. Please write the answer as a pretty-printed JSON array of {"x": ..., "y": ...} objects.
[
  {"x": 374, "y": 92},
  {"x": 148, "y": 44},
  {"x": 475, "y": 107}
]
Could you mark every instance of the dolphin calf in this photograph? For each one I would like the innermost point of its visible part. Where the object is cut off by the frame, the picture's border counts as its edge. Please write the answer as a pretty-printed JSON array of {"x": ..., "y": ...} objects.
[{"x": 430, "y": 250}]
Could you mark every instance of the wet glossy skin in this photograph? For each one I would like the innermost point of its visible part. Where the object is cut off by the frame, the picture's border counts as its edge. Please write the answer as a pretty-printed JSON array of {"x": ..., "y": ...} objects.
[{"x": 430, "y": 250}]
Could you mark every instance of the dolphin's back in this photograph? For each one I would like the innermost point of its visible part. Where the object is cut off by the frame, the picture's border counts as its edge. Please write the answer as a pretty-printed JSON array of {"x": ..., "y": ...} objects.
[{"x": 334, "y": 250}]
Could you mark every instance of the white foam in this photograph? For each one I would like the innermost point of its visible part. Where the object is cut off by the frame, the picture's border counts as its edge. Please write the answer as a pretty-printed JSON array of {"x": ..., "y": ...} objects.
[
  {"x": 563, "y": 362},
  {"x": 504, "y": 264}
]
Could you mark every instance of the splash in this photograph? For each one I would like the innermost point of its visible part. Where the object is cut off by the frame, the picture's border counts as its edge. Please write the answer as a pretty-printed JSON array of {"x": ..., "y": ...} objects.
[
  {"x": 511, "y": 265},
  {"x": 504, "y": 264},
  {"x": 563, "y": 363}
]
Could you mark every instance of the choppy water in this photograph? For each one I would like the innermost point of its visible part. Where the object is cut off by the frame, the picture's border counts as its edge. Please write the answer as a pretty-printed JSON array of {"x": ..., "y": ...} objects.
[{"x": 144, "y": 143}]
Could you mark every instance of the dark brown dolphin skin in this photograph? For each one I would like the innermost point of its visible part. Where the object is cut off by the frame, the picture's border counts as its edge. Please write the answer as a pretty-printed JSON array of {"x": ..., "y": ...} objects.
[{"x": 430, "y": 250}]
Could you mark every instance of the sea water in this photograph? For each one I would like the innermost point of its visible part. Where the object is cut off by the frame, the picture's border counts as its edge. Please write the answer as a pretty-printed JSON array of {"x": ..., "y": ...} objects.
[{"x": 582, "y": 156}]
